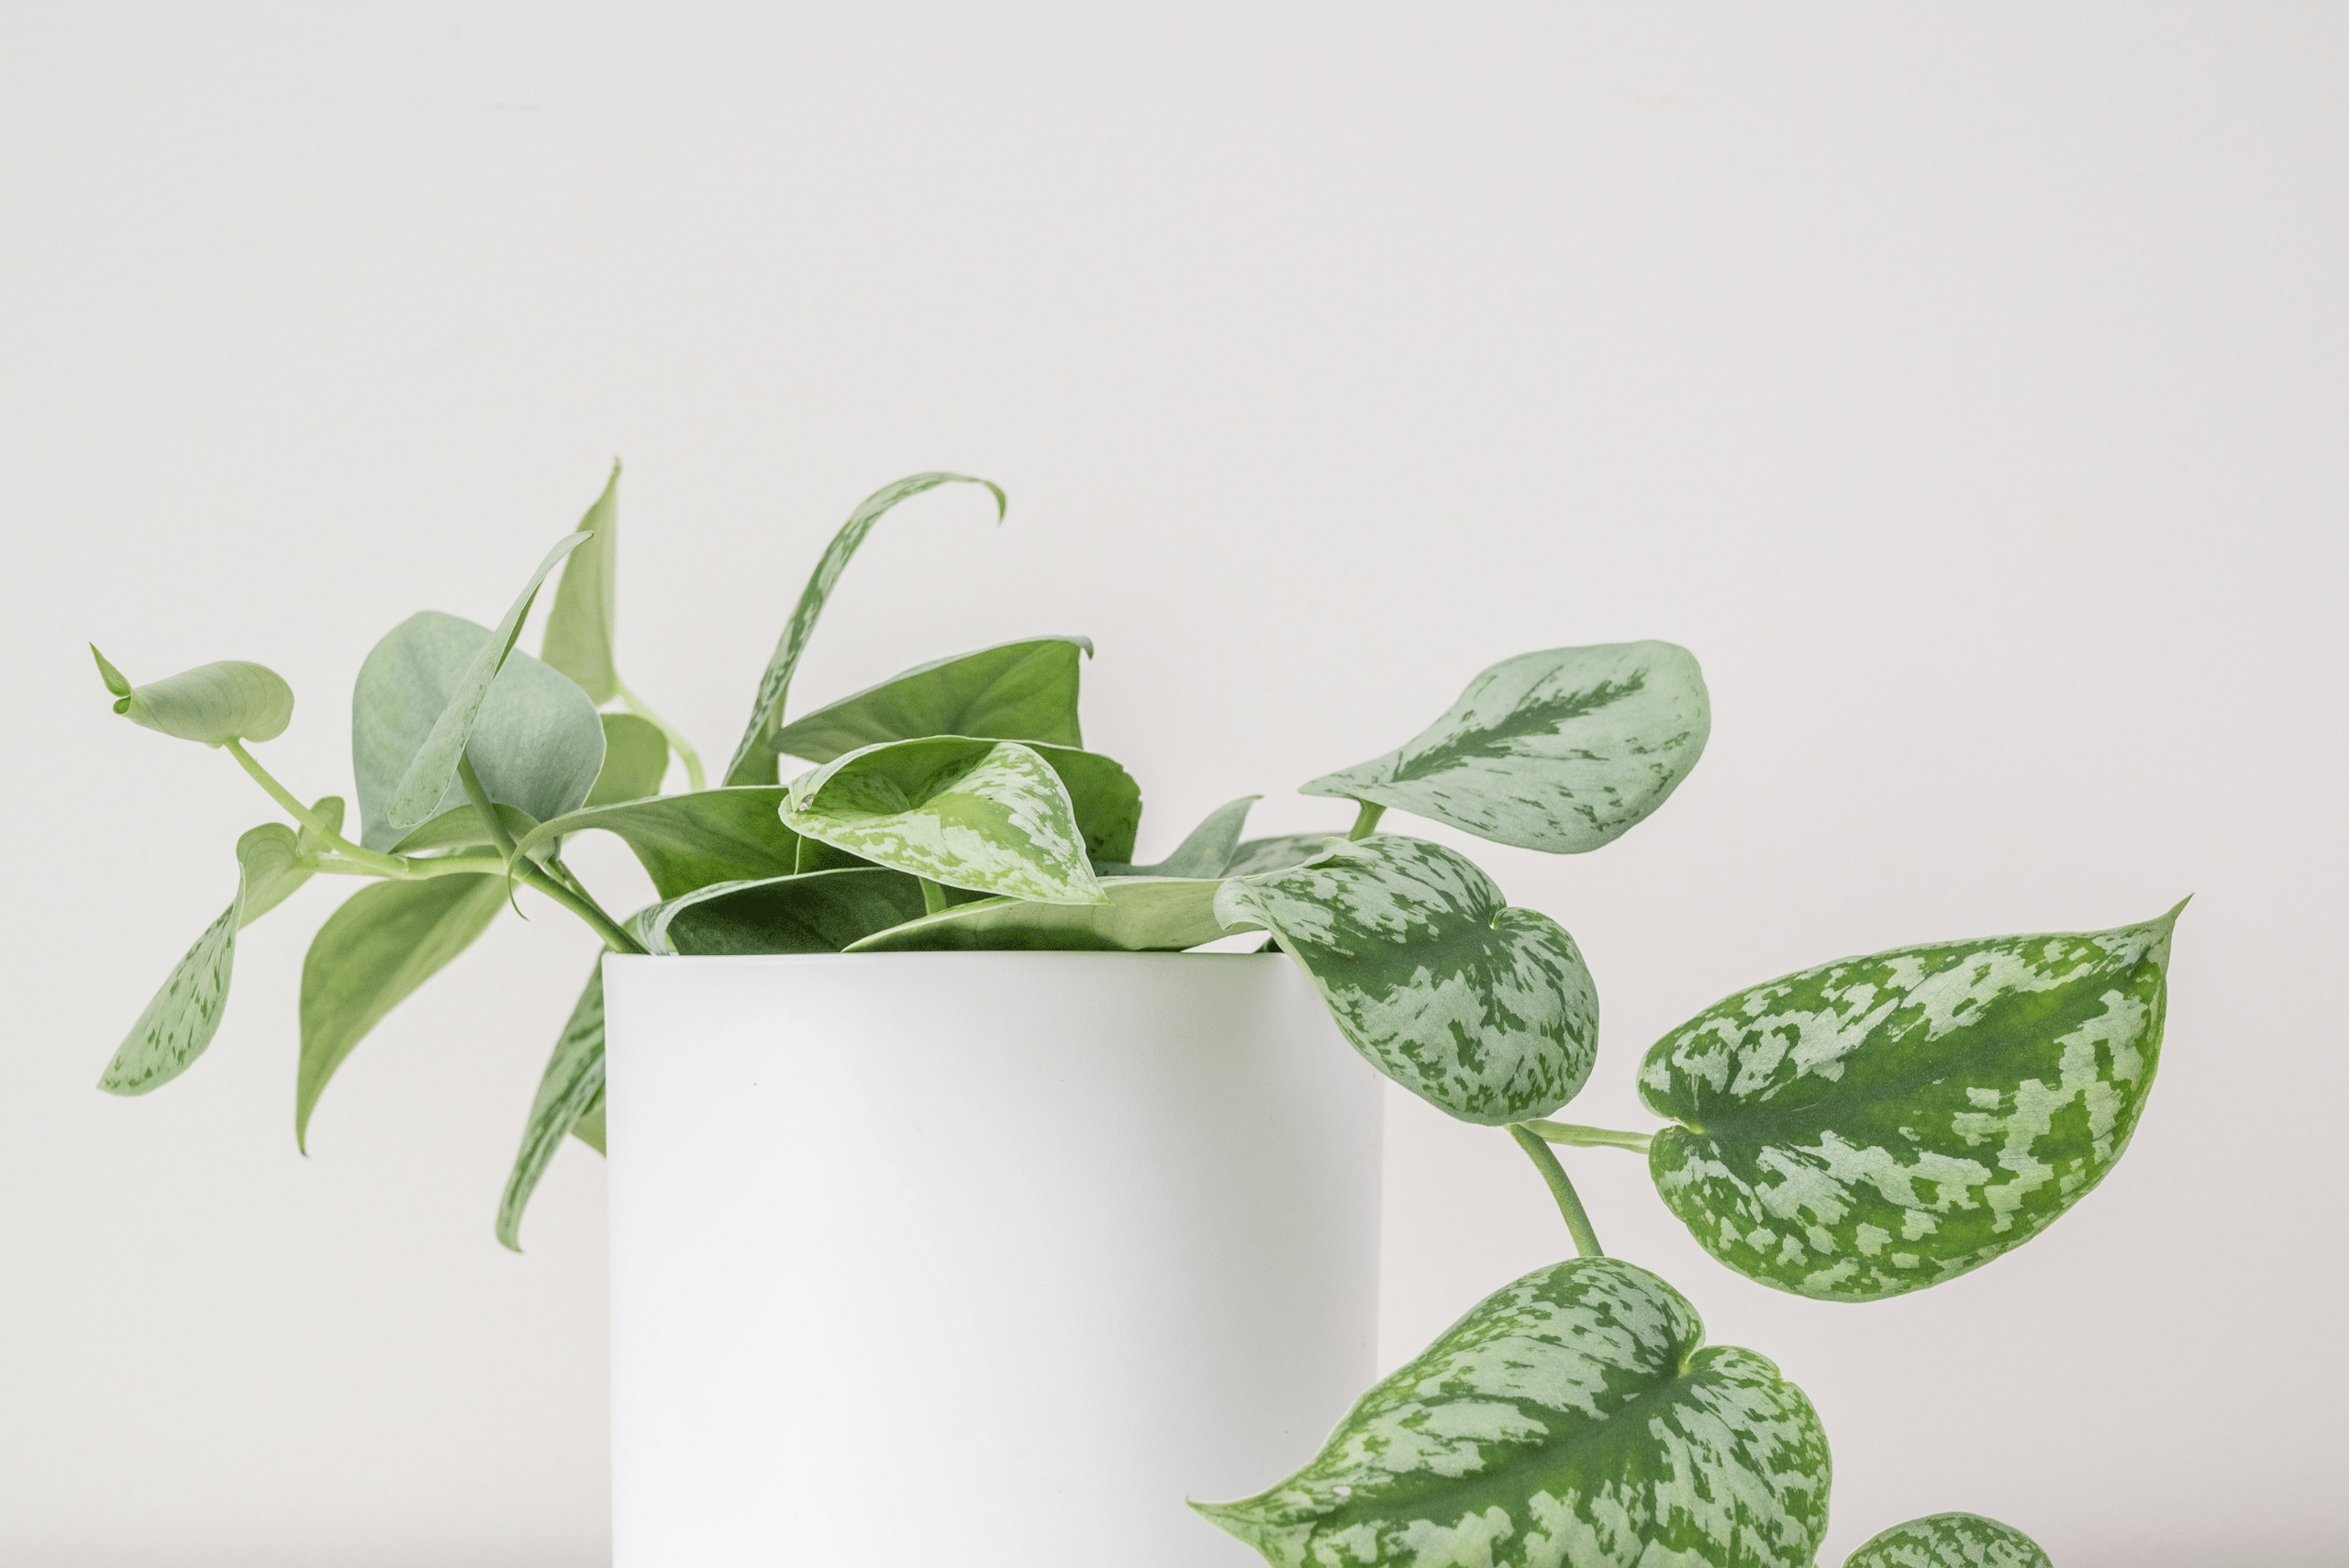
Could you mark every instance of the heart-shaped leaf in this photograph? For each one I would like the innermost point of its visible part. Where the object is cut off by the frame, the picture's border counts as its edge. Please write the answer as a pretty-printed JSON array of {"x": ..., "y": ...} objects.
[
  {"x": 823, "y": 911},
  {"x": 685, "y": 841},
  {"x": 213, "y": 704},
  {"x": 754, "y": 757},
  {"x": 537, "y": 744},
  {"x": 1482, "y": 1010},
  {"x": 1018, "y": 691},
  {"x": 385, "y": 940},
  {"x": 1206, "y": 852},
  {"x": 1879, "y": 1125},
  {"x": 1105, "y": 797},
  {"x": 1253, "y": 856},
  {"x": 578, "y": 637},
  {"x": 992, "y": 816},
  {"x": 1561, "y": 750},
  {"x": 636, "y": 759},
  {"x": 1145, "y": 914},
  {"x": 1569, "y": 1419},
  {"x": 1950, "y": 1541},
  {"x": 572, "y": 1082}
]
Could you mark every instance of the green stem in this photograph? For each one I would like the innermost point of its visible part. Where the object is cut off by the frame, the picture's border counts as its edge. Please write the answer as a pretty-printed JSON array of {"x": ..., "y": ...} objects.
[
  {"x": 1576, "y": 1137},
  {"x": 527, "y": 872},
  {"x": 417, "y": 870},
  {"x": 677, "y": 743},
  {"x": 380, "y": 864},
  {"x": 934, "y": 898},
  {"x": 1366, "y": 821},
  {"x": 1569, "y": 1204}
]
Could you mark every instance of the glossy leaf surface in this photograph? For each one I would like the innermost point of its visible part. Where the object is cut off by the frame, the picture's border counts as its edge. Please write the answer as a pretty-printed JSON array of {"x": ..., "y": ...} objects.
[
  {"x": 822, "y": 911},
  {"x": 754, "y": 756},
  {"x": 1144, "y": 914},
  {"x": 1562, "y": 751},
  {"x": 1018, "y": 691},
  {"x": 1207, "y": 851},
  {"x": 1482, "y": 1010},
  {"x": 572, "y": 1084},
  {"x": 212, "y": 704},
  {"x": 1569, "y": 1419},
  {"x": 685, "y": 841},
  {"x": 1950, "y": 1541},
  {"x": 1882, "y": 1124},
  {"x": 578, "y": 637},
  {"x": 636, "y": 759}
]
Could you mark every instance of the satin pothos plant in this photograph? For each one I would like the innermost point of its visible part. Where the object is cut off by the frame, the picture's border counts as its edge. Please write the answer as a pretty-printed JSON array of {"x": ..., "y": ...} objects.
[{"x": 1854, "y": 1132}]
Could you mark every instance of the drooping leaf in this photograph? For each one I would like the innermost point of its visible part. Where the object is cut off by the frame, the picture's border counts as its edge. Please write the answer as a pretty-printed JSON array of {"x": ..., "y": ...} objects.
[
  {"x": 992, "y": 816},
  {"x": 1562, "y": 751},
  {"x": 822, "y": 911},
  {"x": 572, "y": 1084},
  {"x": 1145, "y": 914},
  {"x": 578, "y": 638},
  {"x": 1482, "y": 1010},
  {"x": 636, "y": 759},
  {"x": 685, "y": 841},
  {"x": 1950, "y": 1541},
  {"x": 1570, "y": 1418},
  {"x": 537, "y": 743},
  {"x": 1207, "y": 851},
  {"x": 1882, "y": 1124},
  {"x": 387, "y": 938},
  {"x": 424, "y": 783},
  {"x": 214, "y": 704},
  {"x": 1018, "y": 691},
  {"x": 754, "y": 757},
  {"x": 1256, "y": 856}
]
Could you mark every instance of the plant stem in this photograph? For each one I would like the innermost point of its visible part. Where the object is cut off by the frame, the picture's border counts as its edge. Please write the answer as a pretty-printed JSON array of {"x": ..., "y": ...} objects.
[
  {"x": 1569, "y": 1204},
  {"x": 382, "y": 865},
  {"x": 527, "y": 872},
  {"x": 417, "y": 870},
  {"x": 1366, "y": 821},
  {"x": 1576, "y": 1137},
  {"x": 934, "y": 898},
  {"x": 677, "y": 743}
]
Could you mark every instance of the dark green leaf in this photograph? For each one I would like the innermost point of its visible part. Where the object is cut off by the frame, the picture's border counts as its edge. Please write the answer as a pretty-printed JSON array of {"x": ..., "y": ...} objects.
[
  {"x": 821, "y": 912},
  {"x": 685, "y": 841},
  {"x": 1020, "y": 691},
  {"x": 572, "y": 1085},
  {"x": 1105, "y": 797},
  {"x": 636, "y": 759}
]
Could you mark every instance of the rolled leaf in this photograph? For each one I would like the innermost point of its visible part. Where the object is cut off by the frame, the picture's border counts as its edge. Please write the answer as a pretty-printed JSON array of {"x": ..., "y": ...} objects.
[
  {"x": 572, "y": 1084},
  {"x": 823, "y": 911},
  {"x": 1485, "y": 1011},
  {"x": 385, "y": 940},
  {"x": 1207, "y": 850},
  {"x": 1145, "y": 914},
  {"x": 685, "y": 841},
  {"x": 754, "y": 757},
  {"x": 1254, "y": 857},
  {"x": 992, "y": 816},
  {"x": 578, "y": 638},
  {"x": 537, "y": 743},
  {"x": 1879, "y": 1125},
  {"x": 1562, "y": 751},
  {"x": 636, "y": 759},
  {"x": 425, "y": 784},
  {"x": 1950, "y": 1541},
  {"x": 1018, "y": 691},
  {"x": 214, "y": 704},
  {"x": 1570, "y": 1418}
]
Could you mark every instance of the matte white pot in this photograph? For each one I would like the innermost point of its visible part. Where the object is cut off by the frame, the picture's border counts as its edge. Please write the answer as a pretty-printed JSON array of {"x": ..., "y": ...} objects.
[{"x": 976, "y": 1258}]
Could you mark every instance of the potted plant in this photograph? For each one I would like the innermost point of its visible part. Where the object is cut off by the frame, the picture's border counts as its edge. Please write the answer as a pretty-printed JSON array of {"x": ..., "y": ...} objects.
[{"x": 959, "y": 1208}]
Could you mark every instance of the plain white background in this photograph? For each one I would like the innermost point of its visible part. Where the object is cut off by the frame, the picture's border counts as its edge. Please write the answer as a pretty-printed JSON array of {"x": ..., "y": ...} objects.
[{"x": 1965, "y": 385}]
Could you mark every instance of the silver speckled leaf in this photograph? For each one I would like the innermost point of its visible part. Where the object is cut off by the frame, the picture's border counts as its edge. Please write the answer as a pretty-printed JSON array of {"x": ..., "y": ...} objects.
[
  {"x": 1145, "y": 914},
  {"x": 1950, "y": 1541},
  {"x": 572, "y": 1085}
]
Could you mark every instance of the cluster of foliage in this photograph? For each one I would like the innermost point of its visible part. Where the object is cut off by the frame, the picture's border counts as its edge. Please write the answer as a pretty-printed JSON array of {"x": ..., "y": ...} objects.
[{"x": 1856, "y": 1131}]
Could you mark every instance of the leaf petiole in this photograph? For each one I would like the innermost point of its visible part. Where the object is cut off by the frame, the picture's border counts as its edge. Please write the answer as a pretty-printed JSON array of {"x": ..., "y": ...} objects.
[
  {"x": 380, "y": 864},
  {"x": 1366, "y": 821},
  {"x": 1569, "y": 1203},
  {"x": 934, "y": 898},
  {"x": 694, "y": 779},
  {"x": 526, "y": 871},
  {"x": 1576, "y": 1137}
]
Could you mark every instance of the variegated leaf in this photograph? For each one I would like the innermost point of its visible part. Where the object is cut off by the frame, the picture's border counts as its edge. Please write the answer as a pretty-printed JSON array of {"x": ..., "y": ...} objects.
[
  {"x": 572, "y": 1085},
  {"x": 1018, "y": 691},
  {"x": 1571, "y": 1419},
  {"x": 212, "y": 704},
  {"x": 824, "y": 911},
  {"x": 1950, "y": 1541},
  {"x": 1254, "y": 857},
  {"x": 1562, "y": 751},
  {"x": 685, "y": 841},
  {"x": 1207, "y": 851},
  {"x": 1482, "y": 1010},
  {"x": 991, "y": 816},
  {"x": 1882, "y": 1124},
  {"x": 1105, "y": 797},
  {"x": 1145, "y": 914}
]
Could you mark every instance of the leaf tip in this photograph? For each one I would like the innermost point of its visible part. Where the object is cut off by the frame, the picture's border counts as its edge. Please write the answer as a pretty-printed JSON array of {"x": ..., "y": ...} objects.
[{"x": 112, "y": 677}]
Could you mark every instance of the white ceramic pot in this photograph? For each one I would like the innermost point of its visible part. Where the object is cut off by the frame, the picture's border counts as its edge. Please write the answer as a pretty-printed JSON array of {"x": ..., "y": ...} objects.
[{"x": 976, "y": 1258}]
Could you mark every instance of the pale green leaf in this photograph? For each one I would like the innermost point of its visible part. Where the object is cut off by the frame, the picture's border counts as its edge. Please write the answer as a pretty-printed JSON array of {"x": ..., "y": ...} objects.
[
  {"x": 589, "y": 1129},
  {"x": 1207, "y": 850},
  {"x": 537, "y": 745},
  {"x": 425, "y": 784},
  {"x": 1145, "y": 914},
  {"x": 1571, "y": 1418},
  {"x": 572, "y": 1085},
  {"x": 1019, "y": 691},
  {"x": 460, "y": 828},
  {"x": 213, "y": 704},
  {"x": 992, "y": 816},
  {"x": 1882, "y": 1124},
  {"x": 1483, "y": 1010},
  {"x": 636, "y": 759},
  {"x": 1950, "y": 1541},
  {"x": 823, "y": 911},
  {"x": 755, "y": 758},
  {"x": 1561, "y": 750},
  {"x": 685, "y": 841},
  {"x": 578, "y": 638},
  {"x": 385, "y": 940},
  {"x": 267, "y": 861},
  {"x": 1254, "y": 857}
]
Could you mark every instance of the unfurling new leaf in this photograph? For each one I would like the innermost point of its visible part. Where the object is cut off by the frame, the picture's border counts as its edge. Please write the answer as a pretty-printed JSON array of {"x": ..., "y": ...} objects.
[{"x": 213, "y": 704}]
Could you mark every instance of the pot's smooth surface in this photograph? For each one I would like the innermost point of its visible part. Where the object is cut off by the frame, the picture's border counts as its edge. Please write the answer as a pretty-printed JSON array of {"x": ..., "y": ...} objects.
[{"x": 976, "y": 1258}]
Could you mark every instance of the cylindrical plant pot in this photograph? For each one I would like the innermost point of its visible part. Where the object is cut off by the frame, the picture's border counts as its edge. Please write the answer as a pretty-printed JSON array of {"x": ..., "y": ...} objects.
[{"x": 976, "y": 1257}]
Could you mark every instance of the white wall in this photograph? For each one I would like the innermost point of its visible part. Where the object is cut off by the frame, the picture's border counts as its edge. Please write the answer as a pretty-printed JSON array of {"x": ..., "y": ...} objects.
[{"x": 1966, "y": 386}]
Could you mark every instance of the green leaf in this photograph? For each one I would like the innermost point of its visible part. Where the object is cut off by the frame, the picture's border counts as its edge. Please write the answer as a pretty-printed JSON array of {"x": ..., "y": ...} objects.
[
  {"x": 590, "y": 1127},
  {"x": 636, "y": 759},
  {"x": 578, "y": 638},
  {"x": 1950, "y": 1541},
  {"x": 1482, "y": 1010},
  {"x": 755, "y": 758},
  {"x": 1206, "y": 852},
  {"x": 214, "y": 704},
  {"x": 1019, "y": 691},
  {"x": 1569, "y": 1419},
  {"x": 1882, "y": 1124},
  {"x": 1105, "y": 797},
  {"x": 1256, "y": 856},
  {"x": 572, "y": 1085},
  {"x": 266, "y": 861},
  {"x": 993, "y": 815},
  {"x": 685, "y": 841},
  {"x": 536, "y": 744},
  {"x": 1562, "y": 751},
  {"x": 460, "y": 827},
  {"x": 385, "y": 940},
  {"x": 1145, "y": 914},
  {"x": 424, "y": 783},
  {"x": 823, "y": 911}
]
